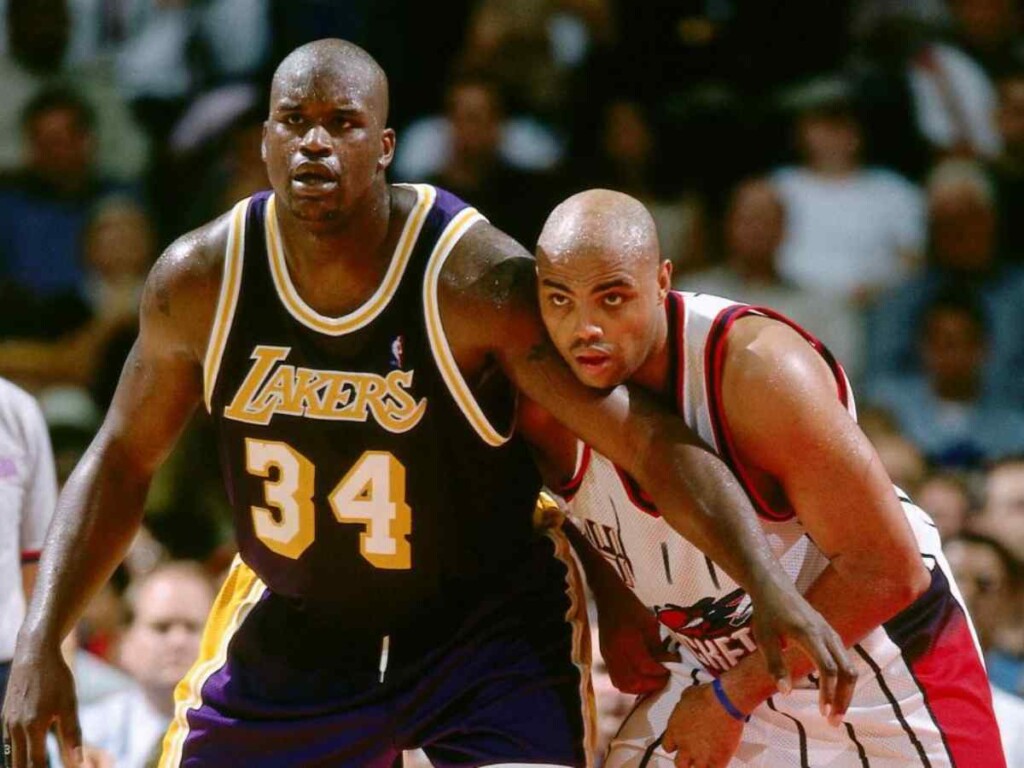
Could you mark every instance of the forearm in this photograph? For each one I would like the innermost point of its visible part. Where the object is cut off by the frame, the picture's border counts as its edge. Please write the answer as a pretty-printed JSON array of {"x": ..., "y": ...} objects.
[
  {"x": 97, "y": 516},
  {"x": 853, "y": 606},
  {"x": 701, "y": 499}
]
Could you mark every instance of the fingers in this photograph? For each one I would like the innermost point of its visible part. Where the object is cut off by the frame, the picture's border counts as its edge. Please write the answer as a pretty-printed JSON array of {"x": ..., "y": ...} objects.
[
  {"x": 19, "y": 756},
  {"x": 846, "y": 684},
  {"x": 69, "y": 734},
  {"x": 36, "y": 747},
  {"x": 771, "y": 647}
]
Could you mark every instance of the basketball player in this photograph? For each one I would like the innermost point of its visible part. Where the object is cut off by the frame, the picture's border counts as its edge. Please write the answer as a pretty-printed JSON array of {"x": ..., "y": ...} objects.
[
  {"x": 778, "y": 409},
  {"x": 356, "y": 344}
]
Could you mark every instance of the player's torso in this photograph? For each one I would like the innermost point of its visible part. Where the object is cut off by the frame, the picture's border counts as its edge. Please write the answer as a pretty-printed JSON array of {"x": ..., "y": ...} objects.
[
  {"x": 704, "y": 608},
  {"x": 361, "y": 473}
]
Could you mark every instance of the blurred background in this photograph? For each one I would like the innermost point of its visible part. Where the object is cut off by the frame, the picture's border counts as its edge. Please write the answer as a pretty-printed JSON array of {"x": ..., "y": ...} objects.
[{"x": 856, "y": 164}]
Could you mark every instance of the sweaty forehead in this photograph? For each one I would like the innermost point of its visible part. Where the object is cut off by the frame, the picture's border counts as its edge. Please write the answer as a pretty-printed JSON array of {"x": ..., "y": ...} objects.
[
  {"x": 584, "y": 246},
  {"x": 309, "y": 80}
]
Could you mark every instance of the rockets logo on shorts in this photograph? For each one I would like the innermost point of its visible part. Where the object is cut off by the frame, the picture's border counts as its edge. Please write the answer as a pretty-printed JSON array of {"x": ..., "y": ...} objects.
[{"x": 717, "y": 632}]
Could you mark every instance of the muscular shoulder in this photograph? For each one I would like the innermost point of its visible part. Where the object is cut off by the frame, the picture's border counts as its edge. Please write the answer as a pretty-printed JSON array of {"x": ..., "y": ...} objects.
[
  {"x": 181, "y": 290},
  {"x": 776, "y": 390},
  {"x": 769, "y": 354},
  {"x": 486, "y": 288}
]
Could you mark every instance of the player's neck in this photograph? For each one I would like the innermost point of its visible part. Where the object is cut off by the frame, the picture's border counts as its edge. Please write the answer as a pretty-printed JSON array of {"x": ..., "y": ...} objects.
[
  {"x": 356, "y": 237},
  {"x": 653, "y": 375}
]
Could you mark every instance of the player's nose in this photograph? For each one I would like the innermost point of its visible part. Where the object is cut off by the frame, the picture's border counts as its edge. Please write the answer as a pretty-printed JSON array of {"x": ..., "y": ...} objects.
[{"x": 316, "y": 142}]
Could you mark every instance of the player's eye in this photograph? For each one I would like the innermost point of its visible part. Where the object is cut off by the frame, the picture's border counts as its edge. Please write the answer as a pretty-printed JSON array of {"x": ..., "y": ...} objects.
[
  {"x": 293, "y": 118},
  {"x": 614, "y": 299},
  {"x": 558, "y": 300}
]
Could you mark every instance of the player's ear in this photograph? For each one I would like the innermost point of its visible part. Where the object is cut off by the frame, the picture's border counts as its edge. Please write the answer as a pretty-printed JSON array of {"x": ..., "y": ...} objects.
[
  {"x": 664, "y": 279},
  {"x": 263, "y": 143},
  {"x": 387, "y": 145}
]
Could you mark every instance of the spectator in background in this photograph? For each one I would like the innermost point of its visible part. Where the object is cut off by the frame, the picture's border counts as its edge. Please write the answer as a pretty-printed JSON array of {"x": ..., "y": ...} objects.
[
  {"x": 945, "y": 496},
  {"x": 755, "y": 226},
  {"x": 850, "y": 230},
  {"x": 1007, "y": 169},
  {"x": 989, "y": 31},
  {"x": 515, "y": 200},
  {"x": 43, "y": 211},
  {"x": 962, "y": 252},
  {"x": 946, "y": 93},
  {"x": 989, "y": 577},
  {"x": 1002, "y": 519},
  {"x": 38, "y": 33},
  {"x": 173, "y": 49},
  {"x": 118, "y": 249},
  {"x": 944, "y": 410},
  {"x": 168, "y": 609},
  {"x": 1002, "y": 515},
  {"x": 28, "y": 497},
  {"x": 627, "y": 159}
]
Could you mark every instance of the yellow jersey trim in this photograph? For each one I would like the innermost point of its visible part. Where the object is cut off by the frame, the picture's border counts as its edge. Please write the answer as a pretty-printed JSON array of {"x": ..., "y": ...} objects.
[
  {"x": 365, "y": 314},
  {"x": 446, "y": 364},
  {"x": 241, "y": 591},
  {"x": 230, "y": 286},
  {"x": 576, "y": 617}
]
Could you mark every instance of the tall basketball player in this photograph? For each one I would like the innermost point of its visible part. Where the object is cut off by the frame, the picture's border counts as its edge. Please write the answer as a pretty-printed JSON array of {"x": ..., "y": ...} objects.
[
  {"x": 776, "y": 406},
  {"x": 357, "y": 344}
]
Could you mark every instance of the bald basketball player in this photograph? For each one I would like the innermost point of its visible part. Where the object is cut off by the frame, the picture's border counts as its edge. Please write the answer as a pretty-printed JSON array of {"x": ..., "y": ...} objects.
[
  {"x": 356, "y": 345},
  {"x": 773, "y": 403}
]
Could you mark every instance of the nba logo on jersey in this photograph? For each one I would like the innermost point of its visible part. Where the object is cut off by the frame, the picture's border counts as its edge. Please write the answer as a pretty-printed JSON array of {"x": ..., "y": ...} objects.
[{"x": 398, "y": 351}]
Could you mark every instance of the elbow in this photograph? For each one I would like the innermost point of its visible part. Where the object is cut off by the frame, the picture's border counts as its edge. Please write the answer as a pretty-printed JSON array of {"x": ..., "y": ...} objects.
[{"x": 906, "y": 584}]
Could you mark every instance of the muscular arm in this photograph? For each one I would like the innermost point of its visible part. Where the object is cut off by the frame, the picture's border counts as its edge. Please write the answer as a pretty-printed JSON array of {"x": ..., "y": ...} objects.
[
  {"x": 101, "y": 506},
  {"x": 797, "y": 432}
]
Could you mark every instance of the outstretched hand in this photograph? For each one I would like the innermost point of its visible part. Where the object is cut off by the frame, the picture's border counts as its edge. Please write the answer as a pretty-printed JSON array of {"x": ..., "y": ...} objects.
[{"x": 781, "y": 613}]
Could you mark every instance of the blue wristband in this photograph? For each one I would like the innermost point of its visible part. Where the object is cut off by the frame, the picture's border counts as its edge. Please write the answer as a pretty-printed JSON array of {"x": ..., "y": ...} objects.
[{"x": 727, "y": 705}]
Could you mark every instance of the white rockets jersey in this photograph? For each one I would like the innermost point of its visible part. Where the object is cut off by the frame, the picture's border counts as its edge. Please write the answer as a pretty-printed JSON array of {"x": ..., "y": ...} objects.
[{"x": 706, "y": 611}]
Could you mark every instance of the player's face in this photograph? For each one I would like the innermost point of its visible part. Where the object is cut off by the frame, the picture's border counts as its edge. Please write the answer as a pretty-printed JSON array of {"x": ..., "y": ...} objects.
[
  {"x": 324, "y": 144},
  {"x": 602, "y": 311}
]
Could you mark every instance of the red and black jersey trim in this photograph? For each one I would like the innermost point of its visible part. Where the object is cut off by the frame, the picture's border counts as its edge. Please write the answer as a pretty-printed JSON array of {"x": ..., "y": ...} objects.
[
  {"x": 572, "y": 486},
  {"x": 636, "y": 494},
  {"x": 30, "y": 556},
  {"x": 676, "y": 309},
  {"x": 714, "y": 363}
]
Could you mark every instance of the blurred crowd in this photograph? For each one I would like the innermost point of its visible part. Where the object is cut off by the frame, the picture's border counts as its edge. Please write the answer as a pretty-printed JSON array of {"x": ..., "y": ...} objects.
[{"x": 857, "y": 165}]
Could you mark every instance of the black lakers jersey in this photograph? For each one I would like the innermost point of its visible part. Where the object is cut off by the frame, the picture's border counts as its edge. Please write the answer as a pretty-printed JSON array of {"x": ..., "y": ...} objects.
[{"x": 361, "y": 470}]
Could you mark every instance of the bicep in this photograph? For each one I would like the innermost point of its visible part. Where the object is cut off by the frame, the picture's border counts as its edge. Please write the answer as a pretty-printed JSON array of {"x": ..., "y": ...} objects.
[
  {"x": 160, "y": 383},
  {"x": 799, "y": 433}
]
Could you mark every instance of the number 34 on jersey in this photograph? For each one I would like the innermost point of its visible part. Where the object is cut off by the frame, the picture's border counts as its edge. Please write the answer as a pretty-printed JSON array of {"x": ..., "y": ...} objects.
[{"x": 371, "y": 494}]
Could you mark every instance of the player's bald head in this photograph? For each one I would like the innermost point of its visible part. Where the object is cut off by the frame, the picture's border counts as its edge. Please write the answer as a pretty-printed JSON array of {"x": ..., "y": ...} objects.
[
  {"x": 316, "y": 69},
  {"x": 600, "y": 223}
]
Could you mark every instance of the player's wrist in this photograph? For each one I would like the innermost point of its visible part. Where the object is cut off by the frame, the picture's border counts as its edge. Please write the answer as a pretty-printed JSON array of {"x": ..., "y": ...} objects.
[{"x": 727, "y": 704}]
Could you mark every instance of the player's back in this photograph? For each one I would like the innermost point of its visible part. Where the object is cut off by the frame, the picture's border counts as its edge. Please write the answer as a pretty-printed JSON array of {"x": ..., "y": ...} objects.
[{"x": 362, "y": 472}]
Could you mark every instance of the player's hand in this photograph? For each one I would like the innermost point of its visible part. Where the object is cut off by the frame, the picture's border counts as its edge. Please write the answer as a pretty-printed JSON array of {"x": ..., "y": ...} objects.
[
  {"x": 700, "y": 731},
  {"x": 781, "y": 612},
  {"x": 631, "y": 646},
  {"x": 40, "y": 693}
]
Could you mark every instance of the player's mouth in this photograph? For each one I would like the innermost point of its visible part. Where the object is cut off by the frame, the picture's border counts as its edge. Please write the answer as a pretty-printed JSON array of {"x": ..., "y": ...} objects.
[
  {"x": 314, "y": 179},
  {"x": 593, "y": 363}
]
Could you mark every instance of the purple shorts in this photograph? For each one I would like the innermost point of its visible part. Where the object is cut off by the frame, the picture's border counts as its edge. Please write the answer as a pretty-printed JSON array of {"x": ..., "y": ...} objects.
[{"x": 280, "y": 684}]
